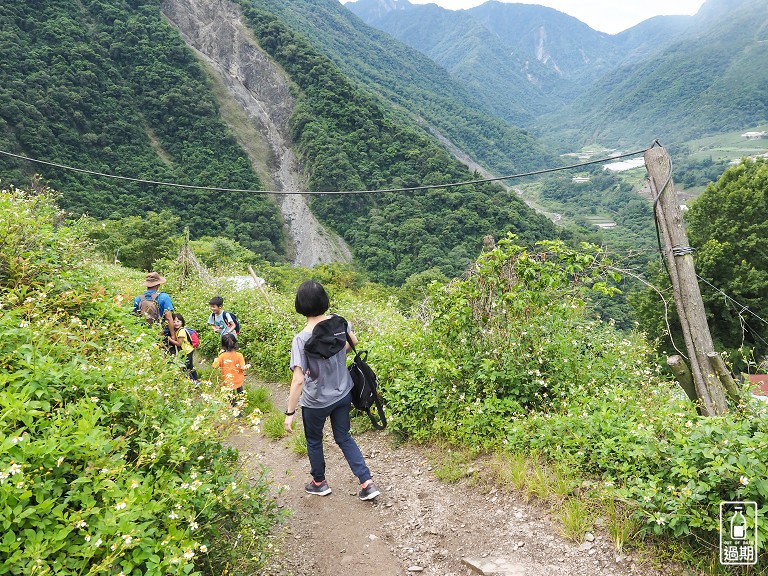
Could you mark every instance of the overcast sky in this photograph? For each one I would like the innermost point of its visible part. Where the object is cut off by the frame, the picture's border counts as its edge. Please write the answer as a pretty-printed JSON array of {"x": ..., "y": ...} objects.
[{"x": 611, "y": 16}]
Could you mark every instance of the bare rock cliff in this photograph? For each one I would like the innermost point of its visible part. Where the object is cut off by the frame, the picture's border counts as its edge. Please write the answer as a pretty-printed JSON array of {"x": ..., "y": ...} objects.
[{"x": 257, "y": 89}]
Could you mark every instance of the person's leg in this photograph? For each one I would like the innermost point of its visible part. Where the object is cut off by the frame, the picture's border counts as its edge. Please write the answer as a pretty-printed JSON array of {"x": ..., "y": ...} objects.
[
  {"x": 340, "y": 423},
  {"x": 190, "y": 366},
  {"x": 314, "y": 420},
  {"x": 236, "y": 396}
]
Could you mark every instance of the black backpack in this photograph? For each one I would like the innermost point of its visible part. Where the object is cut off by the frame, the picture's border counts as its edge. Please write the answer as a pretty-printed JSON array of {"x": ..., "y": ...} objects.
[
  {"x": 229, "y": 316},
  {"x": 328, "y": 337},
  {"x": 365, "y": 388}
]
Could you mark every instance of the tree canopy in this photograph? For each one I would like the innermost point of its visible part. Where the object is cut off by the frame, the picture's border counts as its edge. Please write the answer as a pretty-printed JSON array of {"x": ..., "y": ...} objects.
[
  {"x": 728, "y": 227},
  {"x": 109, "y": 86}
]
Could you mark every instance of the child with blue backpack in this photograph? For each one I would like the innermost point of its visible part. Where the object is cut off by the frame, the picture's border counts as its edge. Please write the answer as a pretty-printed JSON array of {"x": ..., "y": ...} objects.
[{"x": 220, "y": 321}]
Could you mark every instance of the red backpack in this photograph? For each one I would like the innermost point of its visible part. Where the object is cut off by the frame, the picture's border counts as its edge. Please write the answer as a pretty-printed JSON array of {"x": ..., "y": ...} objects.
[{"x": 194, "y": 337}]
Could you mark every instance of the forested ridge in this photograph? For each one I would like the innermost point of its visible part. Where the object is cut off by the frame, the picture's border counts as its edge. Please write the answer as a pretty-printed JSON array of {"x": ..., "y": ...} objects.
[
  {"x": 496, "y": 75},
  {"x": 416, "y": 88},
  {"x": 348, "y": 143},
  {"x": 669, "y": 77},
  {"x": 109, "y": 87},
  {"x": 711, "y": 80}
]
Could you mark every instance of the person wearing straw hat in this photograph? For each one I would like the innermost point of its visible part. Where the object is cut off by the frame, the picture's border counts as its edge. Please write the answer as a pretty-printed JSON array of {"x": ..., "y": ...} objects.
[{"x": 155, "y": 305}]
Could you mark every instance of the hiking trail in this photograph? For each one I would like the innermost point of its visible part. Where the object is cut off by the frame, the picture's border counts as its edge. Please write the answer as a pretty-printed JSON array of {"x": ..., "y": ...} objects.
[{"x": 418, "y": 525}]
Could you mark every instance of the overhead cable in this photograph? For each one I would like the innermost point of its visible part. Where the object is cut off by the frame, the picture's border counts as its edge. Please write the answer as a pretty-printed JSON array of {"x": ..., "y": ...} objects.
[
  {"x": 336, "y": 192},
  {"x": 743, "y": 308}
]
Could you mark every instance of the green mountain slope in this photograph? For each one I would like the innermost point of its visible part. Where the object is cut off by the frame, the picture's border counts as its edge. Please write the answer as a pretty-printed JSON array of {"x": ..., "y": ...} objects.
[
  {"x": 414, "y": 84},
  {"x": 715, "y": 79},
  {"x": 348, "y": 142},
  {"x": 510, "y": 84},
  {"x": 523, "y": 60},
  {"x": 671, "y": 77},
  {"x": 109, "y": 87},
  {"x": 574, "y": 53}
]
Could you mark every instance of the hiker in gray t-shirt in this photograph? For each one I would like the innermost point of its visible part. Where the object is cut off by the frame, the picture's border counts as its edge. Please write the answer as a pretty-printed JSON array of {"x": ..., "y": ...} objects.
[{"x": 322, "y": 385}]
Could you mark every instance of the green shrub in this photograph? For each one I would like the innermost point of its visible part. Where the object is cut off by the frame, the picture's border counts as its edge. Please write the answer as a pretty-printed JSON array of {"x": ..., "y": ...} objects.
[
  {"x": 273, "y": 426},
  {"x": 575, "y": 519},
  {"x": 511, "y": 358},
  {"x": 298, "y": 443},
  {"x": 454, "y": 466},
  {"x": 107, "y": 461},
  {"x": 258, "y": 399}
]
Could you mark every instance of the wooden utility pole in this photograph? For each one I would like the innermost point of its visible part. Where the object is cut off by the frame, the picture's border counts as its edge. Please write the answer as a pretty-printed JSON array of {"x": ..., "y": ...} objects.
[
  {"x": 710, "y": 390},
  {"x": 259, "y": 284}
]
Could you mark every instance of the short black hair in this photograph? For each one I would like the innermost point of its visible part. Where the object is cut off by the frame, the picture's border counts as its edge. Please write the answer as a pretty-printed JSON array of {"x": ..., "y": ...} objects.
[
  {"x": 229, "y": 342},
  {"x": 177, "y": 316},
  {"x": 217, "y": 301},
  {"x": 311, "y": 299}
]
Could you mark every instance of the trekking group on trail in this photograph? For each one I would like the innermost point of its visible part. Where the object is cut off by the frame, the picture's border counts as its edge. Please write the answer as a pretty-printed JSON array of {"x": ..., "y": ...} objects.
[{"x": 321, "y": 384}]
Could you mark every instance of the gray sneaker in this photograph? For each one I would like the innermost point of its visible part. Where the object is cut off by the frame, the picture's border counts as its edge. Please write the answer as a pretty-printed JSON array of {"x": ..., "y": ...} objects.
[
  {"x": 369, "y": 492},
  {"x": 321, "y": 489}
]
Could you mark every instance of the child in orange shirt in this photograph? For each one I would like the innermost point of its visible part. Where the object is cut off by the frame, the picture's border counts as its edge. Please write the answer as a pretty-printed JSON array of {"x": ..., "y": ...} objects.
[{"x": 232, "y": 365}]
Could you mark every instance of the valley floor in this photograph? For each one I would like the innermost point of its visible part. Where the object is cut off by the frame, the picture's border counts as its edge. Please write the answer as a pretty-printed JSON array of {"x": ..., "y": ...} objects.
[{"x": 418, "y": 525}]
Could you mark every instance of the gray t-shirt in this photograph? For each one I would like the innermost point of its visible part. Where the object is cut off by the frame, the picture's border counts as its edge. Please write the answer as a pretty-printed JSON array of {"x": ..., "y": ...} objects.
[{"x": 326, "y": 381}]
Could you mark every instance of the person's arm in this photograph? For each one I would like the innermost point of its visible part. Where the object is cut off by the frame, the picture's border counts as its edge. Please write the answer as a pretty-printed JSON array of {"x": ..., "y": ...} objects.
[
  {"x": 297, "y": 383},
  {"x": 353, "y": 338},
  {"x": 171, "y": 328}
]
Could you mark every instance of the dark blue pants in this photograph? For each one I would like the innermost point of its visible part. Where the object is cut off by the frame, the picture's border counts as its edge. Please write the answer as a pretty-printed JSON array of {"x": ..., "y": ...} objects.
[
  {"x": 314, "y": 420},
  {"x": 189, "y": 366}
]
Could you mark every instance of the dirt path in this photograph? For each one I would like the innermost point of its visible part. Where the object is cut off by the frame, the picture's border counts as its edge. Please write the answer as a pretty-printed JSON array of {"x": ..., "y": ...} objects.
[{"x": 419, "y": 525}]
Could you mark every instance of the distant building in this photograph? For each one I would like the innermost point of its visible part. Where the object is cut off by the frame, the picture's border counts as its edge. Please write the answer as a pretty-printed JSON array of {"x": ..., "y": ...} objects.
[
  {"x": 754, "y": 135},
  {"x": 625, "y": 165},
  {"x": 580, "y": 179},
  {"x": 736, "y": 161}
]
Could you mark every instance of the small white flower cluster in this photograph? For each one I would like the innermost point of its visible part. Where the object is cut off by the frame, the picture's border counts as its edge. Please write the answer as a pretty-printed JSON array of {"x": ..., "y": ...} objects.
[
  {"x": 13, "y": 470},
  {"x": 196, "y": 423}
]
